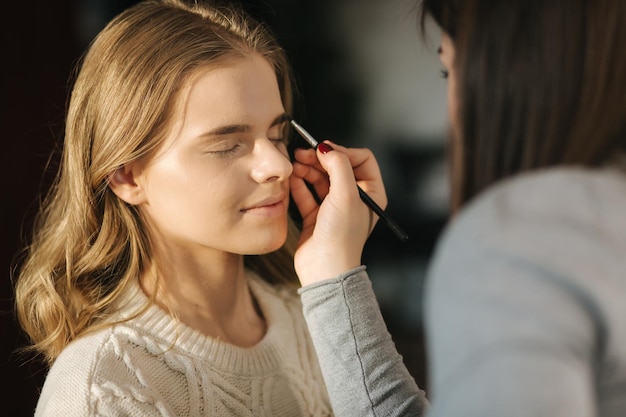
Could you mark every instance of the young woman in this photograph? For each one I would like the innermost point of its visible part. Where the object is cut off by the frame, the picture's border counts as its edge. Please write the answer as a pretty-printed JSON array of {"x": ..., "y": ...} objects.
[
  {"x": 159, "y": 280},
  {"x": 525, "y": 294}
]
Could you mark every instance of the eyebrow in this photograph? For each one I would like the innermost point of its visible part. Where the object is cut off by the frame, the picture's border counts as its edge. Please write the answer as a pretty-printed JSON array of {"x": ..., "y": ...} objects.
[{"x": 239, "y": 128}]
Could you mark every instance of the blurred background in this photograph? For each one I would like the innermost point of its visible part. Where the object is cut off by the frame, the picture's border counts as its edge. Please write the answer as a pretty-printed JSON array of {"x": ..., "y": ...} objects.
[{"x": 366, "y": 78}]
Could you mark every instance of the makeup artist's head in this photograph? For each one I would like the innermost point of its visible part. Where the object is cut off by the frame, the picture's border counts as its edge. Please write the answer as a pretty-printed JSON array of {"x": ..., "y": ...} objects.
[
  {"x": 532, "y": 83},
  {"x": 159, "y": 76}
]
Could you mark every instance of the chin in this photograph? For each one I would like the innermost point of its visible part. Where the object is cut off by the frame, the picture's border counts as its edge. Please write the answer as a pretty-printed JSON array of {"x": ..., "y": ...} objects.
[
  {"x": 271, "y": 248},
  {"x": 268, "y": 245}
]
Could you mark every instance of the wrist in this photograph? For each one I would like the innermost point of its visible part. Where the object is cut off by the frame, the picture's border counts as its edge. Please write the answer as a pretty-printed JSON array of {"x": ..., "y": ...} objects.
[
  {"x": 336, "y": 279},
  {"x": 325, "y": 266}
]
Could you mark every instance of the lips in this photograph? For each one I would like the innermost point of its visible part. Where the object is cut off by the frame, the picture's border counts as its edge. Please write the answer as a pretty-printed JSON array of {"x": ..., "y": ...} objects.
[{"x": 269, "y": 202}]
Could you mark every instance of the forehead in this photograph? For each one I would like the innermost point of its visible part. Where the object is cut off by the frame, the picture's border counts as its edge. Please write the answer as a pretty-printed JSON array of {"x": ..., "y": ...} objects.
[
  {"x": 235, "y": 91},
  {"x": 237, "y": 75}
]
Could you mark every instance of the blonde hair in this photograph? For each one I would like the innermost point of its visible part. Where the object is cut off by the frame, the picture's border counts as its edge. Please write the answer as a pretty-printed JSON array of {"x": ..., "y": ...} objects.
[{"x": 88, "y": 245}]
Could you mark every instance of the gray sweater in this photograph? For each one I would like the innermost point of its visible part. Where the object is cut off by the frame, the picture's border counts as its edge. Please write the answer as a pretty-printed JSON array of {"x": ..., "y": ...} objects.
[{"x": 525, "y": 310}]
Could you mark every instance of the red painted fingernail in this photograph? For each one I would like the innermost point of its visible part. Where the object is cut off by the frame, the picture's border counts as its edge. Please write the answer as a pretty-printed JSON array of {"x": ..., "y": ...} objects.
[{"x": 324, "y": 148}]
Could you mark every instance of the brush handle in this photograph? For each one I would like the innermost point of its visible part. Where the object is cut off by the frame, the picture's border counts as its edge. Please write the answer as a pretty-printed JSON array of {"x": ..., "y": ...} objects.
[{"x": 383, "y": 215}]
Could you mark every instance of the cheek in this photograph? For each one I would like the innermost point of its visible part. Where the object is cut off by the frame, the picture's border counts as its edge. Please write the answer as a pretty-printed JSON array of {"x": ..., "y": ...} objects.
[
  {"x": 453, "y": 103},
  {"x": 189, "y": 187},
  {"x": 456, "y": 144}
]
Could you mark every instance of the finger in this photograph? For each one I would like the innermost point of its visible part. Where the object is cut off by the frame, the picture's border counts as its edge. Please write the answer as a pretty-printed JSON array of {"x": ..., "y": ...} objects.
[
  {"x": 364, "y": 166},
  {"x": 302, "y": 197},
  {"x": 307, "y": 157},
  {"x": 318, "y": 179},
  {"x": 357, "y": 156},
  {"x": 366, "y": 171},
  {"x": 310, "y": 173},
  {"x": 341, "y": 175}
]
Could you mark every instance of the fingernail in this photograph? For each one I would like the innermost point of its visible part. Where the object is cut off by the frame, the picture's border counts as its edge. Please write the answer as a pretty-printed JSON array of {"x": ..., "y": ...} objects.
[{"x": 324, "y": 148}]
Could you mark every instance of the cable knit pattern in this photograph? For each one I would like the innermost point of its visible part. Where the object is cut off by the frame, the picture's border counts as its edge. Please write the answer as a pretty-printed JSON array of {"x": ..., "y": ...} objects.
[{"x": 153, "y": 365}]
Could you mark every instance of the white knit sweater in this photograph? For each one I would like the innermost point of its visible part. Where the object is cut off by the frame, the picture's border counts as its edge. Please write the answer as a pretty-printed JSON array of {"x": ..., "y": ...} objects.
[{"x": 156, "y": 366}]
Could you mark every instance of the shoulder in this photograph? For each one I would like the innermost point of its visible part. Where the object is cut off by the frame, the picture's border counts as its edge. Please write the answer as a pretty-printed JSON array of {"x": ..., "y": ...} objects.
[
  {"x": 67, "y": 387},
  {"x": 540, "y": 203},
  {"x": 555, "y": 227},
  {"x": 571, "y": 192},
  {"x": 92, "y": 370}
]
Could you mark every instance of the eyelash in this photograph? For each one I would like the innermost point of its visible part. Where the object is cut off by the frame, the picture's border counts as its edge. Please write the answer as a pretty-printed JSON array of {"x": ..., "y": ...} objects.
[
  {"x": 227, "y": 151},
  {"x": 275, "y": 141},
  {"x": 444, "y": 74}
]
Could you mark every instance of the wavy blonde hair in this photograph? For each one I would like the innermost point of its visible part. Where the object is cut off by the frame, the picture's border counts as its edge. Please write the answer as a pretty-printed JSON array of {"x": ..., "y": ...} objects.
[{"x": 87, "y": 244}]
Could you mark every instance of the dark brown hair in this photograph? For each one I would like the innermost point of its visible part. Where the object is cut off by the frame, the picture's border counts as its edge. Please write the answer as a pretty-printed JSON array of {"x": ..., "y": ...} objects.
[{"x": 540, "y": 83}]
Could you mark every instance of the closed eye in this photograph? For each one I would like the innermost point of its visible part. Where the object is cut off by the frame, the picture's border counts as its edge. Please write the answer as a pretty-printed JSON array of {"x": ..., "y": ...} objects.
[
  {"x": 226, "y": 152},
  {"x": 277, "y": 141},
  {"x": 278, "y": 133}
]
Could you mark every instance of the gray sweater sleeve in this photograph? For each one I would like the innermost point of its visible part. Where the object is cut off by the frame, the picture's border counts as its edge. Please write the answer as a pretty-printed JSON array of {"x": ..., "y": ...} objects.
[{"x": 363, "y": 371}]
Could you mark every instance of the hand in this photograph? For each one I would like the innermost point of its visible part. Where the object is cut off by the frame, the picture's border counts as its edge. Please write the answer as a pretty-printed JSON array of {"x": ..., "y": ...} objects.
[{"x": 333, "y": 232}]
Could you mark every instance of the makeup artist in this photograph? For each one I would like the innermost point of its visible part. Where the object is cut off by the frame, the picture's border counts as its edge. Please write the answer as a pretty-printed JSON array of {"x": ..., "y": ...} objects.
[{"x": 525, "y": 296}]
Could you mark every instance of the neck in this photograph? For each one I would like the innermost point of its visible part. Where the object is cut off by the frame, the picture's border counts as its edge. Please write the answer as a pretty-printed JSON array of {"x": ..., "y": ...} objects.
[{"x": 207, "y": 293}]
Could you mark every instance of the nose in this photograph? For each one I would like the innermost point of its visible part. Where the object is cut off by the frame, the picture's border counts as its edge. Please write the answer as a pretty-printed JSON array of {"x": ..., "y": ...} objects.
[{"x": 271, "y": 162}]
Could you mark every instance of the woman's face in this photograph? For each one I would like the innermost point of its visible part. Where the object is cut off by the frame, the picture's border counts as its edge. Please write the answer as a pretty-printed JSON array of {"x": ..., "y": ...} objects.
[{"x": 219, "y": 182}]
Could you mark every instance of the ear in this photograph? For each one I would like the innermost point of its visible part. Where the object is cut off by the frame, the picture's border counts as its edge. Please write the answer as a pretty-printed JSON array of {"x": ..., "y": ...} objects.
[{"x": 124, "y": 183}]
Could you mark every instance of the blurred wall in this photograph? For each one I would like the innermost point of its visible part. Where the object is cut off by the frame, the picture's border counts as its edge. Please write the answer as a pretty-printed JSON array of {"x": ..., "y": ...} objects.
[{"x": 366, "y": 78}]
